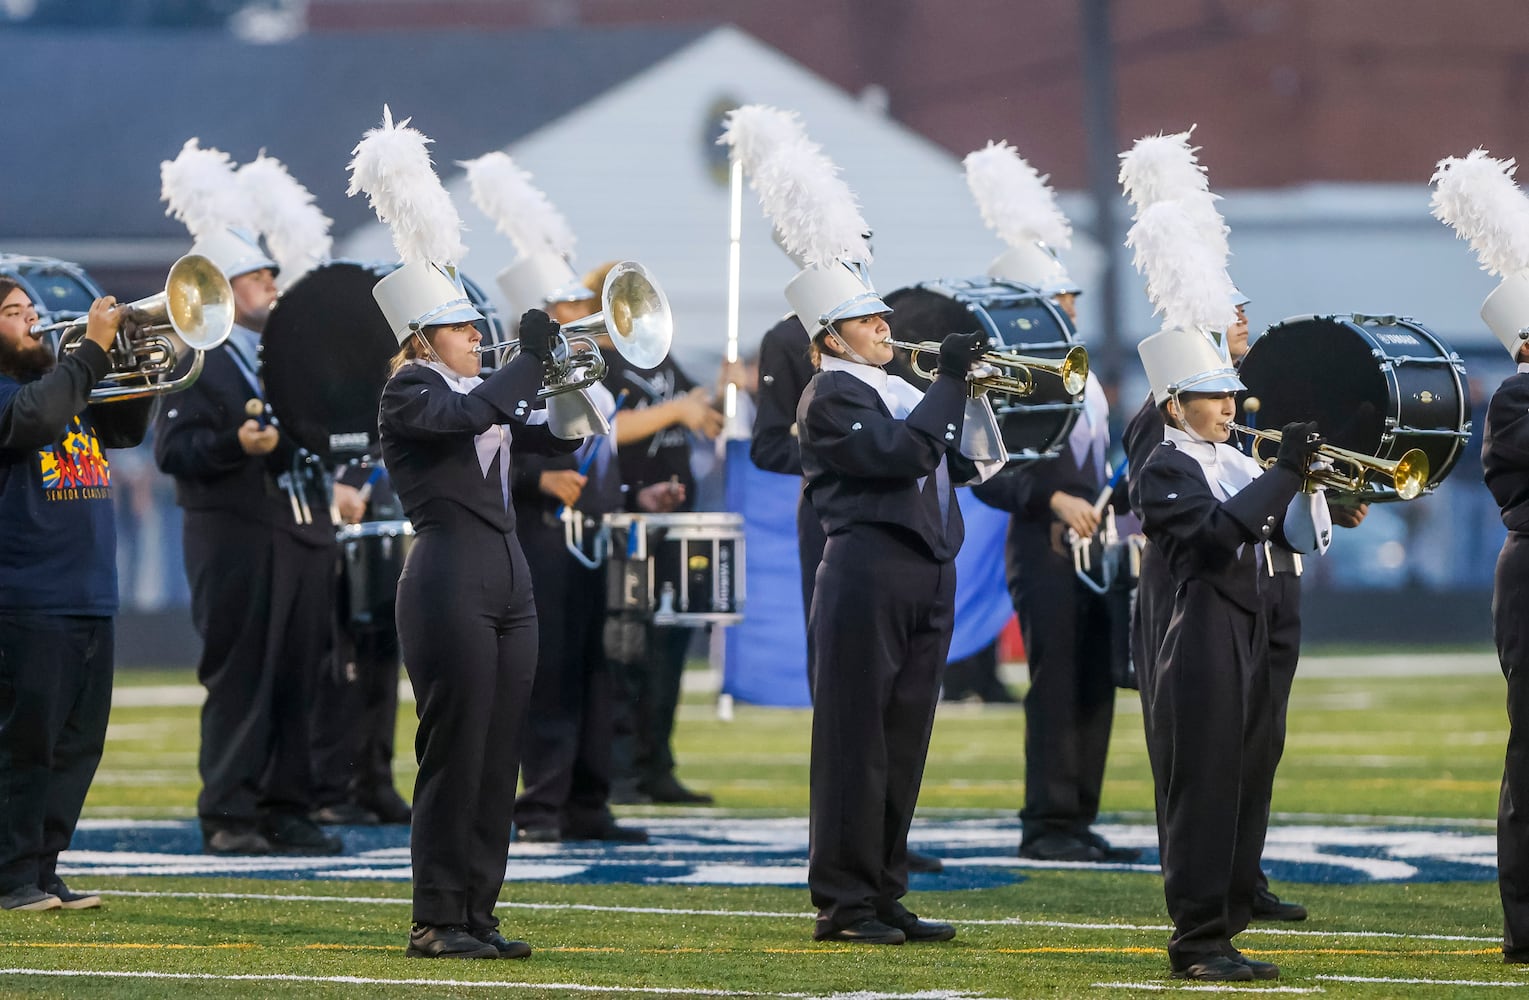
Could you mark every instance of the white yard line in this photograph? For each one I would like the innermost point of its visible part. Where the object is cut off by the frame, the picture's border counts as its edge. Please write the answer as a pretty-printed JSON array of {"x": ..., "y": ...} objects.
[
  {"x": 1207, "y": 988},
  {"x": 497, "y": 984},
  {"x": 796, "y": 915},
  {"x": 1506, "y": 984}
]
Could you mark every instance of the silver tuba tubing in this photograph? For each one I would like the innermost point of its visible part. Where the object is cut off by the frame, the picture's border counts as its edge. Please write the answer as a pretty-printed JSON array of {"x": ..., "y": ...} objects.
[{"x": 194, "y": 314}]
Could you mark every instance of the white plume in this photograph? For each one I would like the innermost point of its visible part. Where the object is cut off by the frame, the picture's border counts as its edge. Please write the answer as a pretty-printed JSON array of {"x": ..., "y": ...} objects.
[
  {"x": 392, "y": 165},
  {"x": 1478, "y": 197},
  {"x": 202, "y": 191},
  {"x": 1162, "y": 167},
  {"x": 518, "y": 209},
  {"x": 756, "y": 130},
  {"x": 816, "y": 216},
  {"x": 1186, "y": 277},
  {"x": 296, "y": 232},
  {"x": 1015, "y": 200}
]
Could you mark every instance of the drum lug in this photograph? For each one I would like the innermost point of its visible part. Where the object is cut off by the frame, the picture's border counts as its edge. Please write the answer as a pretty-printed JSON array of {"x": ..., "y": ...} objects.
[{"x": 1386, "y": 320}]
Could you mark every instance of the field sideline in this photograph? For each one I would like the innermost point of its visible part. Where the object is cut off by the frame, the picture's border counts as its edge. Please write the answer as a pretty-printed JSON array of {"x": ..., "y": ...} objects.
[{"x": 1383, "y": 829}]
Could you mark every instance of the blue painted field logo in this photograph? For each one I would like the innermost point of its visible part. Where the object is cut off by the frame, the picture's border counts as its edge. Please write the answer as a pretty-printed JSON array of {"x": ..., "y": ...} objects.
[{"x": 978, "y": 854}]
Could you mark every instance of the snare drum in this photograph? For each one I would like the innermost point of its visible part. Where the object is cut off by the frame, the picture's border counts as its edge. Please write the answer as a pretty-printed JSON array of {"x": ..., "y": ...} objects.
[
  {"x": 680, "y": 569},
  {"x": 1378, "y": 385},
  {"x": 373, "y": 553},
  {"x": 1017, "y": 318}
]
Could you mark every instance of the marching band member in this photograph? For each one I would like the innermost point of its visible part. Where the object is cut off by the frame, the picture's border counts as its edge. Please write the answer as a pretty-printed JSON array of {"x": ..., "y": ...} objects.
[
  {"x": 566, "y": 763},
  {"x": 1070, "y": 705},
  {"x": 260, "y": 554},
  {"x": 879, "y": 460},
  {"x": 1477, "y": 195},
  {"x": 466, "y": 617},
  {"x": 58, "y": 589},
  {"x": 1207, "y": 508},
  {"x": 653, "y": 432},
  {"x": 879, "y": 463}
]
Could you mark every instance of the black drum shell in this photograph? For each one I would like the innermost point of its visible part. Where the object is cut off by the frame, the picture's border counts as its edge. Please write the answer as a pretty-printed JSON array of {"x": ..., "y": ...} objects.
[
  {"x": 372, "y": 560},
  {"x": 1378, "y": 385},
  {"x": 1017, "y": 318}
]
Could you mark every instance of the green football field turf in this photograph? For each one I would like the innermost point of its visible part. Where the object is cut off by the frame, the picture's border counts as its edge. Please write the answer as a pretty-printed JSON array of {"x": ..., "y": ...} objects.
[{"x": 1362, "y": 749}]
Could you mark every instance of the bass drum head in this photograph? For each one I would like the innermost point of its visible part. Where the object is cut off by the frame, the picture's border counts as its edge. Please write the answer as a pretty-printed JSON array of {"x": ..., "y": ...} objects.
[
  {"x": 1379, "y": 388},
  {"x": 1017, "y": 318},
  {"x": 324, "y": 358}
]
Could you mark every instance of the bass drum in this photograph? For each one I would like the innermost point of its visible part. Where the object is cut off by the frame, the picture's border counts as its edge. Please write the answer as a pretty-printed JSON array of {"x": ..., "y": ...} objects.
[
  {"x": 325, "y": 352},
  {"x": 1378, "y": 385},
  {"x": 1017, "y": 318}
]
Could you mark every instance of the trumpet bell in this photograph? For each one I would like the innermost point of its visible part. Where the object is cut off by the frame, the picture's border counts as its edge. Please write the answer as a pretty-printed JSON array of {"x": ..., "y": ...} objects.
[
  {"x": 1411, "y": 473},
  {"x": 634, "y": 313},
  {"x": 573, "y": 416}
]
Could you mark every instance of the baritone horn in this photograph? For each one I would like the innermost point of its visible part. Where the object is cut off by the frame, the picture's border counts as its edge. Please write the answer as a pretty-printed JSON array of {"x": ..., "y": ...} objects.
[
  {"x": 194, "y": 314},
  {"x": 634, "y": 313},
  {"x": 1354, "y": 471},
  {"x": 1012, "y": 373}
]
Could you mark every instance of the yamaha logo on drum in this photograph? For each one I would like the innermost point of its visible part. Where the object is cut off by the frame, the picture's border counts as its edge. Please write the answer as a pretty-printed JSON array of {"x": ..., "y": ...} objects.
[{"x": 724, "y": 579}]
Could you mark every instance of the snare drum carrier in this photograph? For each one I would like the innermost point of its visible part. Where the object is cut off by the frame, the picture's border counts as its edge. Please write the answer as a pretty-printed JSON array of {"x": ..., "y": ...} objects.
[
  {"x": 1374, "y": 384},
  {"x": 1017, "y": 318}
]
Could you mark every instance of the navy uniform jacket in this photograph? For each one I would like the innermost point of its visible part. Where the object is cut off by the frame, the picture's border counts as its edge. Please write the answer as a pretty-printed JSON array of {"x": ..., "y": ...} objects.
[
  {"x": 1505, "y": 450},
  {"x": 862, "y": 465},
  {"x": 58, "y": 542},
  {"x": 197, "y": 441},
  {"x": 427, "y": 440},
  {"x": 1203, "y": 538}
]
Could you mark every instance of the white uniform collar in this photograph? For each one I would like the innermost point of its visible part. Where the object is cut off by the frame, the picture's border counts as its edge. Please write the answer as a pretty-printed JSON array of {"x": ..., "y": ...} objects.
[
  {"x": 1226, "y": 469},
  {"x": 1523, "y": 368},
  {"x": 900, "y": 397}
]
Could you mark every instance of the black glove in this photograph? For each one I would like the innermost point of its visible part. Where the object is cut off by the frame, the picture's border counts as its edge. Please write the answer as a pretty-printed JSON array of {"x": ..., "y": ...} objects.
[
  {"x": 959, "y": 351},
  {"x": 1298, "y": 442},
  {"x": 538, "y": 332}
]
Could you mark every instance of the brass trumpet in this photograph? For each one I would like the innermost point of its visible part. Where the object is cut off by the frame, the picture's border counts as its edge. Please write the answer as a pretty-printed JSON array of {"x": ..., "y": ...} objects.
[
  {"x": 194, "y": 314},
  {"x": 1016, "y": 372},
  {"x": 1408, "y": 475}
]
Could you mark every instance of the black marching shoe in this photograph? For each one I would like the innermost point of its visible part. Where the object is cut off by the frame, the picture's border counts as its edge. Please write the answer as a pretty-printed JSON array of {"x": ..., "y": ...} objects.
[
  {"x": 390, "y": 807},
  {"x": 866, "y": 930},
  {"x": 1260, "y": 970},
  {"x": 236, "y": 841},
  {"x": 537, "y": 834},
  {"x": 1217, "y": 969},
  {"x": 1268, "y": 906},
  {"x": 668, "y": 791},
  {"x": 1108, "y": 851},
  {"x": 344, "y": 814},
  {"x": 447, "y": 941},
  {"x": 506, "y": 949},
  {"x": 924, "y": 864},
  {"x": 610, "y": 832},
  {"x": 915, "y": 929},
  {"x": 1059, "y": 847},
  {"x": 291, "y": 834}
]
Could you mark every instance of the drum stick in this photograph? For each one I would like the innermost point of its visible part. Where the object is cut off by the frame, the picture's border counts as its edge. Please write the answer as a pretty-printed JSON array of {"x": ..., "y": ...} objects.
[
  {"x": 378, "y": 471},
  {"x": 1109, "y": 487}
]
